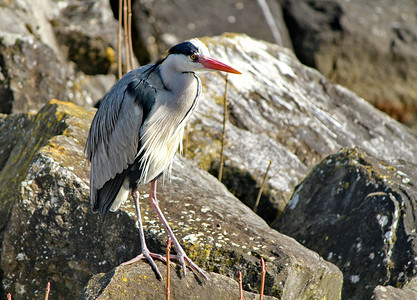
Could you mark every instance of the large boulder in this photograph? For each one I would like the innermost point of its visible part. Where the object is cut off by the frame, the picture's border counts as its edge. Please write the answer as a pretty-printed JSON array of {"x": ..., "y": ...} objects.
[
  {"x": 359, "y": 213},
  {"x": 31, "y": 73},
  {"x": 22, "y": 136},
  {"x": 37, "y": 38},
  {"x": 13, "y": 125},
  {"x": 392, "y": 293},
  {"x": 367, "y": 46},
  {"x": 51, "y": 234},
  {"x": 280, "y": 110},
  {"x": 160, "y": 24},
  {"x": 407, "y": 292},
  {"x": 86, "y": 32},
  {"x": 138, "y": 281}
]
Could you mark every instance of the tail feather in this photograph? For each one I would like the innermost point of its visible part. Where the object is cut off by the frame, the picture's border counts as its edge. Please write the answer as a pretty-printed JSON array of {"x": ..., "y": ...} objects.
[{"x": 107, "y": 194}]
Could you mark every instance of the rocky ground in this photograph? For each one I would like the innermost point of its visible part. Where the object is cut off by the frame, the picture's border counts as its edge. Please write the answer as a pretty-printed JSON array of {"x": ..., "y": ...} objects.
[
  {"x": 368, "y": 47},
  {"x": 337, "y": 216}
]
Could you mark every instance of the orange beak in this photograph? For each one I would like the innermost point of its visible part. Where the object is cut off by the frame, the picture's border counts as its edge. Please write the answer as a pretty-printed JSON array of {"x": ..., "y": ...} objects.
[{"x": 211, "y": 63}]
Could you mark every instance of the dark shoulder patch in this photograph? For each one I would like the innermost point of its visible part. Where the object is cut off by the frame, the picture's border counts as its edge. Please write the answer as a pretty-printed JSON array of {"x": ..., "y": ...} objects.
[
  {"x": 144, "y": 95},
  {"x": 186, "y": 48}
]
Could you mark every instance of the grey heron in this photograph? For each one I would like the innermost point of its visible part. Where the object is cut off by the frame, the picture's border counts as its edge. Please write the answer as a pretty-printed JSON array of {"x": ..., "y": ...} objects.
[{"x": 137, "y": 131}]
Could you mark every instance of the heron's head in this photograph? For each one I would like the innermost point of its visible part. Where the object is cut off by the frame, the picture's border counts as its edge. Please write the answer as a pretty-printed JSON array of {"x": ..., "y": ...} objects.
[{"x": 193, "y": 56}]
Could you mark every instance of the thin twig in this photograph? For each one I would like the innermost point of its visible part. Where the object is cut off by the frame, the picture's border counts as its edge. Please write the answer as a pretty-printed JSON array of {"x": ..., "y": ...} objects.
[
  {"x": 240, "y": 287},
  {"x": 263, "y": 273},
  {"x": 255, "y": 208},
  {"x": 119, "y": 41},
  {"x": 126, "y": 35},
  {"x": 129, "y": 8},
  {"x": 48, "y": 289},
  {"x": 224, "y": 131},
  {"x": 168, "y": 292}
]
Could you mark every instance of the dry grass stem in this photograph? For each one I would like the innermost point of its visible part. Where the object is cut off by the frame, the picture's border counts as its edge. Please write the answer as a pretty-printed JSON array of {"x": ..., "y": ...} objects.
[
  {"x": 119, "y": 41},
  {"x": 129, "y": 27},
  {"x": 125, "y": 22},
  {"x": 240, "y": 287},
  {"x": 168, "y": 292},
  {"x": 126, "y": 40},
  {"x": 224, "y": 130},
  {"x": 255, "y": 208},
  {"x": 48, "y": 290},
  {"x": 263, "y": 273}
]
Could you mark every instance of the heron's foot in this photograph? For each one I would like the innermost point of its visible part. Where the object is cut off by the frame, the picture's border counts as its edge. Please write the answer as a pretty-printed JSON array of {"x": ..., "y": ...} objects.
[
  {"x": 149, "y": 256},
  {"x": 183, "y": 258}
]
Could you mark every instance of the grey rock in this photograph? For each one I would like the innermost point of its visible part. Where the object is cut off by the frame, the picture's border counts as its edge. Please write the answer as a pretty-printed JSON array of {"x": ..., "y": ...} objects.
[
  {"x": 13, "y": 125},
  {"x": 392, "y": 293},
  {"x": 138, "y": 282},
  {"x": 280, "y": 110},
  {"x": 161, "y": 24},
  {"x": 411, "y": 284},
  {"x": 368, "y": 47},
  {"x": 31, "y": 74},
  {"x": 23, "y": 135},
  {"x": 359, "y": 213},
  {"x": 36, "y": 37},
  {"x": 407, "y": 292},
  {"x": 51, "y": 234},
  {"x": 87, "y": 32}
]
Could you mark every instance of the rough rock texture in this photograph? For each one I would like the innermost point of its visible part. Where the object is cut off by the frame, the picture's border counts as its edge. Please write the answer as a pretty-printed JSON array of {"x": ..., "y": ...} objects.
[
  {"x": 87, "y": 31},
  {"x": 36, "y": 37},
  {"x": 392, "y": 293},
  {"x": 160, "y": 24},
  {"x": 52, "y": 235},
  {"x": 31, "y": 74},
  {"x": 25, "y": 135},
  {"x": 367, "y": 46},
  {"x": 138, "y": 282},
  {"x": 12, "y": 125},
  {"x": 359, "y": 213},
  {"x": 407, "y": 292},
  {"x": 280, "y": 110},
  {"x": 276, "y": 94}
]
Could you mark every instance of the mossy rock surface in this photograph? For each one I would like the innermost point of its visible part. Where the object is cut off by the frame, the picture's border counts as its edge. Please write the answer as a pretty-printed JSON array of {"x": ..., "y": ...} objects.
[
  {"x": 52, "y": 235},
  {"x": 26, "y": 135},
  {"x": 359, "y": 213}
]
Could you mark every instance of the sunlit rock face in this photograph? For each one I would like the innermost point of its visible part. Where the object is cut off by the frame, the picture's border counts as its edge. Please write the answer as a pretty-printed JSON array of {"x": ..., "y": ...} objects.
[
  {"x": 282, "y": 111},
  {"x": 278, "y": 110},
  {"x": 51, "y": 234}
]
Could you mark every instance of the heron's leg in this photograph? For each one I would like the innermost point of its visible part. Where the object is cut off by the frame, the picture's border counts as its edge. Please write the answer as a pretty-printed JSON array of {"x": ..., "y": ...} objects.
[
  {"x": 145, "y": 253},
  {"x": 181, "y": 255}
]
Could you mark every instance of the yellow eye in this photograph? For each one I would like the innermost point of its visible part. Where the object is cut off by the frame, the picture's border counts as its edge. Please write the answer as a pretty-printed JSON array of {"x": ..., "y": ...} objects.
[{"x": 193, "y": 56}]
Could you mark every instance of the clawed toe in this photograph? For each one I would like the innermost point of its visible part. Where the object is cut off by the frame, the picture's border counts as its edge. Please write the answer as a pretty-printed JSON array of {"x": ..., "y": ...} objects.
[
  {"x": 149, "y": 257},
  {"x": 183, "y": 259}
]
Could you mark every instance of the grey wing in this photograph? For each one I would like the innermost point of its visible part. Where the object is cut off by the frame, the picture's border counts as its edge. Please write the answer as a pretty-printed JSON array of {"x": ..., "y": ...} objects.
[{"x": 113, "y": 141}]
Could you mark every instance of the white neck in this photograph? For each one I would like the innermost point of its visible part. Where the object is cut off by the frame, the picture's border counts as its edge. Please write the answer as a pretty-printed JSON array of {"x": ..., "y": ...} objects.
[{"x": 174, "y": 78}]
